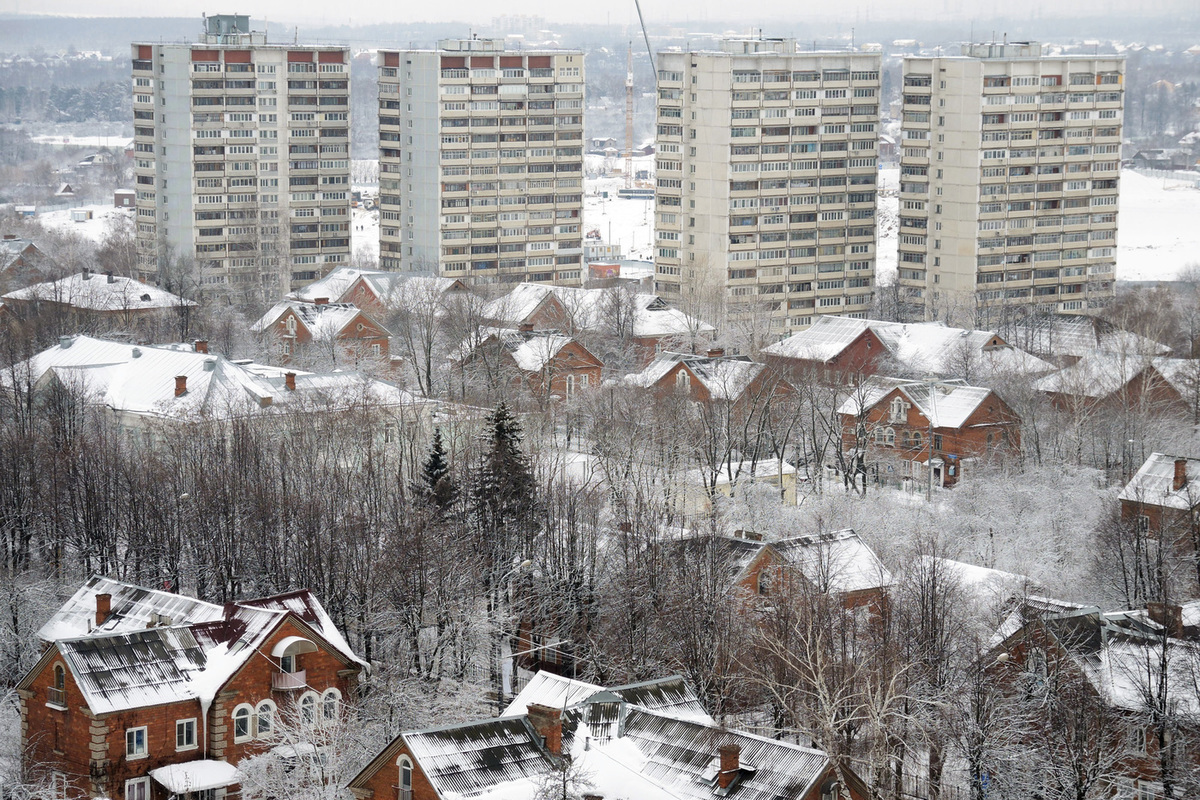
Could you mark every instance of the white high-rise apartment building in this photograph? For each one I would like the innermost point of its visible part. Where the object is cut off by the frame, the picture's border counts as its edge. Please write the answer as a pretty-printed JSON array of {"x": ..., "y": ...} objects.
[
  {"x": 766, "y": 180},
  {"x": 242, "y": 155},
  {"x": 1008, "y": 183},
  {"x": 481, "y": 162}
]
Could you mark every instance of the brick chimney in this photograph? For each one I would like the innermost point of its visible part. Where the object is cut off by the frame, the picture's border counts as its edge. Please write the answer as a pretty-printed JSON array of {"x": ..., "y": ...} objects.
[
  {"x": 716, "y": 352},
  {"x": 1180, "y": 480},
  {"x": 547, "y": 722},
  {"x": 87, "y": 275},
  {"x": 525, "y": 327},
  {"x": 103, "y": 608},
  {"x": 289, "y": 381},
  {"x": 180, "y": 385},
  {"x": 730, "y": 757},
  {"x": 110, "y": 277},
  {"x": 1168, "y": 615},
  {"x": 201, "y": 345},
  {"x": 321, "y": 301},
  {"x": 10, "y": 236}
]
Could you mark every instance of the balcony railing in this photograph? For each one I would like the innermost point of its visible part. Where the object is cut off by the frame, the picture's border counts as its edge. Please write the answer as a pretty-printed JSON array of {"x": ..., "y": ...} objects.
[
  {"x": 56, "y": 697},
  {"x": 289, "y": 681}
]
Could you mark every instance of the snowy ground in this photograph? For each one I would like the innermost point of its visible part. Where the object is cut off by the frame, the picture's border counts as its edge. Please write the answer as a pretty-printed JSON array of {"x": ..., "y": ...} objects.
[
  {"x": 888, "y": 214},
  {"x": 1158, "y": 227},
  {"x": 112, "y": 142},
  {"x": 103, "y": 217},
  {"x": 364, "y": 233},
  {"x": 629, "y": 223}
]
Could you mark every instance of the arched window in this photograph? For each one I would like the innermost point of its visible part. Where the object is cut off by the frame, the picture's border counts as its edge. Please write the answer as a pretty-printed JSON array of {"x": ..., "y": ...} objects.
[
  {"x": 329, "y": 704},
  {"x": 897, "y": 410},
  {"x": 57, "y": 693},
  {"x": 683, "y": 381},
  {"x": 243, "y": 718},
  {"x": 885, "y": 437},
  {"x": 308, "y": 708},
  {"x": 60, "y": 677},
  {"x": 404, "y": 790},
  {"x": 266, "y": 718},
  {"x": 570, "y": 386},
  {"x": 917, "y": 439}
]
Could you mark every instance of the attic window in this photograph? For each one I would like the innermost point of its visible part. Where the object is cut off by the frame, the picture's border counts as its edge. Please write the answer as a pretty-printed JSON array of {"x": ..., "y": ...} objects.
[
  {"x": 146, "y": 298},
  {"x": 56, "y": 695},
  {"x": 291, "y": 324},
  {"x": 897, "y": 410},
  {"x": 404, "y": 790}
]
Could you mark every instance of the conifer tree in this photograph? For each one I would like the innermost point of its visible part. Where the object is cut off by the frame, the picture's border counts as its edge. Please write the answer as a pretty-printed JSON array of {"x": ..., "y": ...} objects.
[{"x": 437, "y": 482}]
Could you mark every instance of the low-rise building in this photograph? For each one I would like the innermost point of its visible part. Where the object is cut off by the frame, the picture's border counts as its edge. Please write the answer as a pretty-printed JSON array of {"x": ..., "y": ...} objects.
[
  {"x": 920, "y": 434},
  {"x": 89, "y": 300},
  {"x": 652, "y": 741},
  {"x": 144, "y": 694},
  {"x": 335, "y": 330},
  {"x": 544, "y": 364}
]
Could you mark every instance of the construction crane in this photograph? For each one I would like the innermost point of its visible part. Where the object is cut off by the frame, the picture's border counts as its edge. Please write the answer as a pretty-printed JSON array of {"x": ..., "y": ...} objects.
[{"x": 629, "y": 119}]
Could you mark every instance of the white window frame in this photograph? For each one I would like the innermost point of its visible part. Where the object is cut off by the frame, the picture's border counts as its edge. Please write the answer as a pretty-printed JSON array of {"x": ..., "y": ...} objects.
[
  {"x": 131, "y": 747},
  {"x": 137, "y": 789},
  {"x": 331, "y": 704},
  {"x": 249, "y": 717},
  {"x": 182, "y": 725},
  {"x": 270, "y": 716}
]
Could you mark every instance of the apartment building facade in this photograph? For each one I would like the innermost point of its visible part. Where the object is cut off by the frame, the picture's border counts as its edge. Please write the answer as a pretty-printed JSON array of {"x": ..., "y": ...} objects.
[
  {"x": 1009, "y": 174},
  {"x": 766, "y": 179},
  {"x": 481, "y": 162},
  {"x": 242, "y": 159}
]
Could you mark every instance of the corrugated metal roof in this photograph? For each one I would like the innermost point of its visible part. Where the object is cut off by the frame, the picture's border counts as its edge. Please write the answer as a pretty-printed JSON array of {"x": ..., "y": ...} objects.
[
  {"x": 132, "y": 608},
  {"x": 837, "y": 561},
  {"x": 476, "y": 757},
  {"x": 135, "y": 669}
]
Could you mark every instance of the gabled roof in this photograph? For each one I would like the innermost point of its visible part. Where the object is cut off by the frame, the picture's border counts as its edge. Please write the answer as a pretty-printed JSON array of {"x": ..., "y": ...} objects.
[
  {"x": 1073, "y": 335},
  {"x": 12, "y": 249},
  {"x": 837, "y": 561},
  {"x": 1098, "y": 375},
  {"x": 670, "y": 695},
  {"x": 622, "y": 749},
  {"x": 141, "y": 379},
  {"x": 531, "y": 351},
  {"x": 322, "y": 320},
  {"x": 391, "y": 288},
  {"x": 1154, "y": 483},
  {"x": 156, "y": 647},
  {"x": 724, "y": 377},
  {"x": 945, "y": 405},
  {"x": 92, "y": 292},
  {"x": 590, "y": 309},
  {"x": 919, "y": 348}
]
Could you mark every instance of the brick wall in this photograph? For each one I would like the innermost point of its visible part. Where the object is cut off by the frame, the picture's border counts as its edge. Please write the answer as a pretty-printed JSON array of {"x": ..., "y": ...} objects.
[{"x": 383, "y": 784}]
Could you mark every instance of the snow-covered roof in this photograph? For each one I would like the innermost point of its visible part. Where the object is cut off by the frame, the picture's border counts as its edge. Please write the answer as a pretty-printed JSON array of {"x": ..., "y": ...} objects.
[
  {"x": 532, "y": 351},
  {"x": 196, "y": 776},
  {"x": 141, "y": 380},
  {"x": 724, "y": 377},
  {"x": 323, "y": 320},
  {"x": 620, "y": 748},
  {"x": 838, "y": 561},
  {"x": 670, "y": 695},
  {"x": 533, "y": 354},
  {"x": 1078, "y": 336},
  {"x": 1097, "y": 375},
  {"x": 11, "y": 249},
  {"x": 155, "y": 647},
  {"x": 945, "y": 405},
  {"x": 93, "y": 292},
  {"x": 591, "y": 309},
  {"x": 392, "y": 288},
  {"x": 920, "y": 348},
  {"x": 1154, "y": 483}
]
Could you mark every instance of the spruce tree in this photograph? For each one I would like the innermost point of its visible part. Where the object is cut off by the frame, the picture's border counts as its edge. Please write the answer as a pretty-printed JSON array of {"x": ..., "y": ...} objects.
[{"x": 437, "y": 483}]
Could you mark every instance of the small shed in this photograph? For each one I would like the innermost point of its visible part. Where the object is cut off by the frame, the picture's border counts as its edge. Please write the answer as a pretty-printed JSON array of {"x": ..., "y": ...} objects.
[
  {"x": 124, "y": 198},
  {"x": 81, "y": 214}
]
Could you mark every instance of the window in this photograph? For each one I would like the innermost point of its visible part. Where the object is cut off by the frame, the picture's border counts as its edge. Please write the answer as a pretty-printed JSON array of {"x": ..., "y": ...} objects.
[
  {"x": 897, "y": 410},
  {"x": 287, "y": 663},
  {"x": 135, "y": 742},
  {"x": 56, "y": 695},
  {"x": 1137, "y": 740},
  {"x": 885, "y": 437},
  {"x": 683, "y": 380},
  {"x": 241, "y": 723},
  {"x": 330, "y": 702},
  {"x": 1143, "y": 523},
  {"x": 185, "y": 734},
  {"x": 404, "y": 790},
  {"x": 137, "y": 789},
  {"x": 266, "y": 718},
  {"x": 308, "y": 708}
]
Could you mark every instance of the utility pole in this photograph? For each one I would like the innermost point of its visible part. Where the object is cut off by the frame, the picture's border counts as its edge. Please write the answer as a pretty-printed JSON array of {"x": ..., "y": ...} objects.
[{"x": 629, "y": 118}]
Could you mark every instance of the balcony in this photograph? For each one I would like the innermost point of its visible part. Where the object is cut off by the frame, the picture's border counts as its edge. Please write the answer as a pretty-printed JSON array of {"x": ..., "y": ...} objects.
[
  {"x": 56, "y": 697},
  {"x": 289, "y": 681}
]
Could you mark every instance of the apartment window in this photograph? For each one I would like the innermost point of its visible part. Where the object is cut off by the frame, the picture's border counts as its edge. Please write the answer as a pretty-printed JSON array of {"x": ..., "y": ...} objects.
[
  {"x": 135, "y": 742},
  {"x": 185, "y": 734}
]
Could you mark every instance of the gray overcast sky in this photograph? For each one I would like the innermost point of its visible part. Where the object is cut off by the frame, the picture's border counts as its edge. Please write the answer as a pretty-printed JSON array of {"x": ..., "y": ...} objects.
[{"x": 754, "y": 12}]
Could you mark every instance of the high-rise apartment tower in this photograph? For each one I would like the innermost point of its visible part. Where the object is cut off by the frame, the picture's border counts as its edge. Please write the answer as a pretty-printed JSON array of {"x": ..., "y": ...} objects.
[
  {"x": 242, "y": 158},
  {"x": 481, "y": 162},
  {"x": 1008, "y": 183},
  {"x": 766, "y": 175}
]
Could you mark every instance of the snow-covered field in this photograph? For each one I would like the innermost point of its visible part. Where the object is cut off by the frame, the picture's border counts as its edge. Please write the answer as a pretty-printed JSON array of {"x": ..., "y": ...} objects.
[
  {"x": 888, "y": 215},
  {"x": 1158, "y": 227},
  {"x": 103, "y": 218}
]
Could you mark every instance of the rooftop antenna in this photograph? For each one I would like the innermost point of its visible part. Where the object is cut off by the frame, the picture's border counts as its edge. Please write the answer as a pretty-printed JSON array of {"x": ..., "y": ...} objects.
[
  {"x": 296, "y": 35},
  {"x": 852, "y": 38}
]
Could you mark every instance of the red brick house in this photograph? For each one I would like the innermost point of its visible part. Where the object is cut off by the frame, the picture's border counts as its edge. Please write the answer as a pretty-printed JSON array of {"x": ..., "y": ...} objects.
[
  {"x": 646, "y": 320},
  {"x": 1113, "y": 381},
  {"x": 894, "y": 430},
  {"x": 843, "y": 350},
  {"x": 337, "y": 328},
  {"x": 1163, "y": 500},
  {"x": 650, "y": 741},
  {"x": 1090, "y": 686},
  {"x": 375, "y": 291},
  {"x": 837, "y": 563},
  {"x": 21, "y": 263},
  {"x": 544, "y": 364},
  {"x": 143, "y": 694},
  {"x": 711, "y": 377}
]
